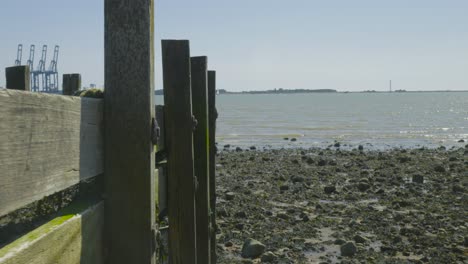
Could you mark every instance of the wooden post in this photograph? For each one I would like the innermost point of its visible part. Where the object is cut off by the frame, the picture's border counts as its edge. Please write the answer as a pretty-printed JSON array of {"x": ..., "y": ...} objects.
[
  {"x": 162, "y": 177},
  {"x": 17, "y": 78},
  {"x": 212, "y": 114},
  {"x": 179, "y": 145},
  {"x": 201, "y": 156},
  {"x": 129, "y": 113},
  {"x": 71, "y": 83},
  {"x": 162, "y": 185}
]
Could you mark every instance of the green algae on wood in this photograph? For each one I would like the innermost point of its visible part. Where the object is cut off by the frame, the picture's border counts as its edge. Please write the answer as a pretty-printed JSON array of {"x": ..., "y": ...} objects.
[{"x": 61, "y": 240}]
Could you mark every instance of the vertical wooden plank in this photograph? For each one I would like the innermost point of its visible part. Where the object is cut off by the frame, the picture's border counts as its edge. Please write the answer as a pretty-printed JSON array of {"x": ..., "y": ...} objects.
[
  {"x": 17, "y": 78},
  {"x": 162, "y": 186},
  {"x": 199, "y": 67},
  {"x": 129, "y": 112},
  {"x": 212, "y": 114},
  {"x": 71, "y": 83},
  {"x": 162, "y": 177},
  {"x": 179, "y": 145}
]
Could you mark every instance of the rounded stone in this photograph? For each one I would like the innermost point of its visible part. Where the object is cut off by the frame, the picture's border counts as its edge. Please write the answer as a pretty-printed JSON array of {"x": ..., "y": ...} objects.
[
  {"x": 348, "y": 249},
  {"x": 252, "y": 248}
]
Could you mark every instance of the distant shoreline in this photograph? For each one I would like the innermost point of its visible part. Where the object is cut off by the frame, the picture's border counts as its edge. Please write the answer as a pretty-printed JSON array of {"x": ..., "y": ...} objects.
[
  {"x": 321, "y": 91},
  {"x": 344, "y": 92}
]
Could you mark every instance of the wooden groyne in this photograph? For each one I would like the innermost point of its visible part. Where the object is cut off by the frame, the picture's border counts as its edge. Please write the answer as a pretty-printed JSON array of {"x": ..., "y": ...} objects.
[{"x": 152, "y": 168}]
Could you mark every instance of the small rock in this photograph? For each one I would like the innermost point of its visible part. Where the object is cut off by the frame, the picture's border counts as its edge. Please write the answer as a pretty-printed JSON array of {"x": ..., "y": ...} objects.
[
  {"x": 404, "y": 159},
  {"x": 230, "y": 196},
  {"x": 283, "y": 216},
  {"x": 286, "y": 138},
  {"x": 360, "y": 239},
  {"x": 228, "y": 244},
  {"x": 240, "y": 214},
  {"x": 348, "y": 249},
  {"x": 253, "y": 148},
  {"x": 293, "y": 139},
  {"x": 227, "y": 146},
  {"x": 461, "y": 141},
  {"x": 361, "y": 147},
  {"x": 238, "y": 149},
  {"x": 457, "y": 189},
  {"x": 380, "y": 191},
  {"x": 337, "y": 144},
  {"x": 322, "y": 162},
  {"x": 222, "y": 212},
  {"x": 362, "y": 186},
  {"x": 252, "y": 248},
  {"x": 339, "y": 241},
  {"x": 295, "y": 179},
  {"x": 310, "y": 161},
  {"x": 284, "y": 187},
  {"x": 329, "y": 189},
  {"x": 439, "y": 168},
  {"x": 418, "y": 178},
  {"x": 269, "y": 257}
]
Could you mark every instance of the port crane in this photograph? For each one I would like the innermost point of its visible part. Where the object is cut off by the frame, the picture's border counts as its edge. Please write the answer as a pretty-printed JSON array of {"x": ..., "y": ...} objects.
[
  {"x": 19, "y": 55},
  {"x": 30, "y": 61},
  {"x": 42, "y": 79},
  {"x": 38, "y": 74},
  {"x": 51, "y": 75}
]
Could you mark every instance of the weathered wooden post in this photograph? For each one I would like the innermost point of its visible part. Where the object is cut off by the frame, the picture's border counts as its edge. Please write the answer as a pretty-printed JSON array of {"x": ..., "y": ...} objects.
[
  {"x": 162, "y": 177},
  {"x": 161, "y": 163},
  {"x": 201, "y": 155},
  {"x": 17, "y": 78},
  {"x": 129, "y": 114},
  {"x": 179, "y": 144},
  {"x": 212, "y": 114},
  {"x": 71, "y": 83}
]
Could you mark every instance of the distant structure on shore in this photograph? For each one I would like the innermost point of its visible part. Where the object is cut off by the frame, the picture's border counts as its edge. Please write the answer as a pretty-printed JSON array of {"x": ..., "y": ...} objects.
[{"x": 280, "y": 91}]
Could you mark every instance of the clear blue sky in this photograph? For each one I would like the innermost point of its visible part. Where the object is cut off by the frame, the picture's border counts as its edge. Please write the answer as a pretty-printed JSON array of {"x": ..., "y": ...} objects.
[{"x": 266, "y": 44}]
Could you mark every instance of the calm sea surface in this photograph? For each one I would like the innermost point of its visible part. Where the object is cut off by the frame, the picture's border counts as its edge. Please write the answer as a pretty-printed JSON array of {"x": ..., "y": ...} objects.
[{"x": 376, "y": 120}]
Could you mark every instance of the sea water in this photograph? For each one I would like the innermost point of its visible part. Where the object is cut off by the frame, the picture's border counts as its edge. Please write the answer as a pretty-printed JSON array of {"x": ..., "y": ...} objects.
[{"x": 375, "y": 120}]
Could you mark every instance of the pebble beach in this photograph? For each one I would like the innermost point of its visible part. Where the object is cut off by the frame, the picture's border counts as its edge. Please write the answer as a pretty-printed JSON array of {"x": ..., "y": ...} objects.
[{"x": 334, "y": 205}]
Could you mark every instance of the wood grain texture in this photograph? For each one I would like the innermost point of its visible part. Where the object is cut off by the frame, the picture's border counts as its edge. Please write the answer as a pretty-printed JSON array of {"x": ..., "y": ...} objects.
[
  {"x": 47, "y": 144},
  {"x": 212, "y": 114},
  {"x": 71, "y": 83},
  {"x": 68, "y": 239},
  {"x": 18, "y": 78},
  {"x": 179, "y": 145},
  {"x": 162, "y": 175},
  {"x": 199, "y": 67},
  {"x": 129, "y": 153}
]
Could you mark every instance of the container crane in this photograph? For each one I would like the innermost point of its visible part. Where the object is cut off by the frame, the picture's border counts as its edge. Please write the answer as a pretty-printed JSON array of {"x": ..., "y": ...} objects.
[
  {"x": 31, "y": 62},
  {"x": 51, "y": 75},
  {"x": 19, "y": 55},
  {"x": 31, "y": 58},
  {"x": 39, "y": 72}
]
